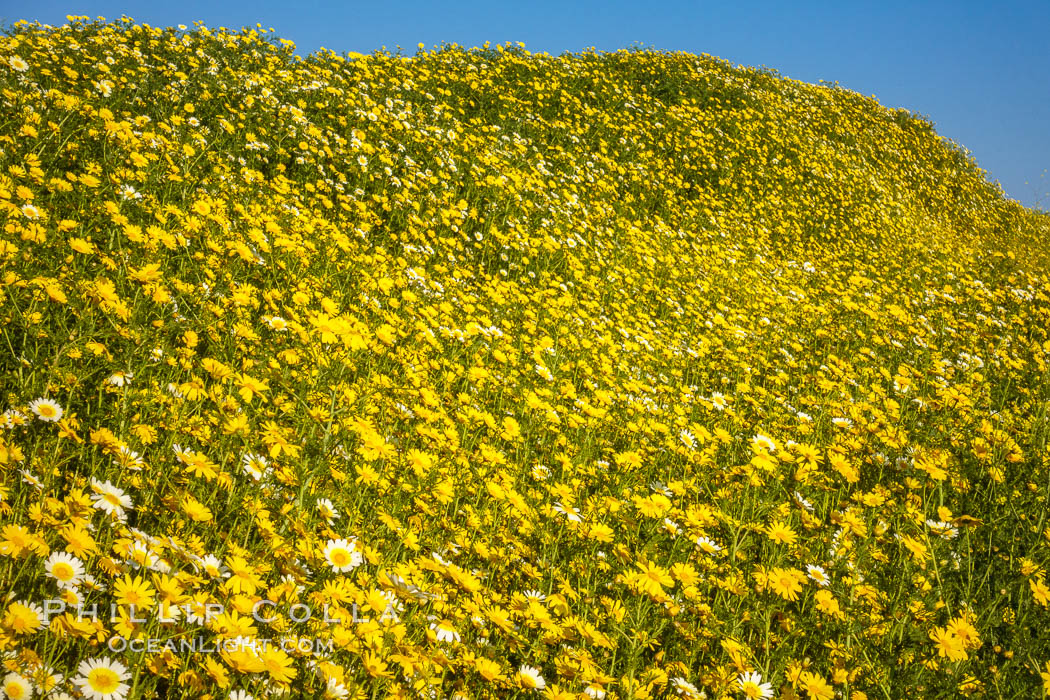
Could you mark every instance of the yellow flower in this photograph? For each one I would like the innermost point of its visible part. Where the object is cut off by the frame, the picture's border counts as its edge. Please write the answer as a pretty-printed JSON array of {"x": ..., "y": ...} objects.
[
  {"x": 278, "y": 665},
  {"x": 243, "y": 576},
  {"x": 1040, "y": 591},
  {"x": 600, "y": 532},
  {"x": 134, "y": 591},
  {"x": 815, "y": 686},
  {"x": 786, "y": 583},
  {"x": 82, "y": 245},
  {"x": 488, "y": 669},
  {"x": 948, "y": 644},
  {"x": 23, "y": 617},
  {"x": 196, "y": 510},
  {"x": 827, "y": 603},
  {"x": 686, "y": 574},
  {"x": 16, "y": 540},
  {"x": 79, "y": 541},
  {"x": 651, "y": 579},
  {"x": 653, "y": 506},
  {"x": 962, "y": 627},
  {"x": 781, "y": 533},
  {"x": 375, "y": 666}
]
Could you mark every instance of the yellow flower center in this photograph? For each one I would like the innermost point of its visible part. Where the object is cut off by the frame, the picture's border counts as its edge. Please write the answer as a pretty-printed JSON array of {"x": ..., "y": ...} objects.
[{"x": 103, "y": 680}]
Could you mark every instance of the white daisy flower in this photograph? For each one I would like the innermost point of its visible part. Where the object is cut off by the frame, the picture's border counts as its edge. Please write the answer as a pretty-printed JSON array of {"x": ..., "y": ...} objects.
[
  {"x": 529, "y": 677},
  {"x": 66, "y": 569},
  {"x": 255, "y": 466},
  {"x": 818, "y": 575},
  {"x": 763, "y": 441},
  {"x": 102, "y": 679},
  {"x": 684, "y": 688},
  {"x": 109, "y": 498},
  {"x": 445, "y": 631},
  {"x": 31, "y": 479},
  {"x": 327, "y": 509},
  {"x": 572, "y": 513},
  {"x": 17, "y": 687},
  {"x": 120, "y": 379},
  {"x": 213, "y": 566},
  {"x": 342, "y": 555},
  {"x": 46, "y": 410},
  {"x": 751, "y": 685},
  {"x": 334, "y": 690}
]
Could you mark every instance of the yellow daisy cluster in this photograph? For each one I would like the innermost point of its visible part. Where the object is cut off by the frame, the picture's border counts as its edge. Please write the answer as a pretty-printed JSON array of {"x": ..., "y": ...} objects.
[{"x": 482, "y": 373}]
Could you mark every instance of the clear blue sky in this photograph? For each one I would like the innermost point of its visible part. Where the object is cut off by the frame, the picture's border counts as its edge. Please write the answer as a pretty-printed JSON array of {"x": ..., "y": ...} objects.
[{"x": 981, "y": 73}]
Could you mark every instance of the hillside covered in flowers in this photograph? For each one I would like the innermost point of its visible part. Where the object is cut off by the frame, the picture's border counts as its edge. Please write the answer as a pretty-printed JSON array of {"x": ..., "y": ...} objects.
[{"x": 489, "y": 374}]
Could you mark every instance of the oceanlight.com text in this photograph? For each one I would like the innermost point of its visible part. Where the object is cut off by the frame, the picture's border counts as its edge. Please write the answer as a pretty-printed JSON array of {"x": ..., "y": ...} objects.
[{"x": 198, "y": 645}]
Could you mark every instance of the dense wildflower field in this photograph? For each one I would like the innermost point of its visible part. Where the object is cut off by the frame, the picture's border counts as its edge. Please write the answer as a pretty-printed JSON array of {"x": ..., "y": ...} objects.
[{"x": 488, "y": 374}]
